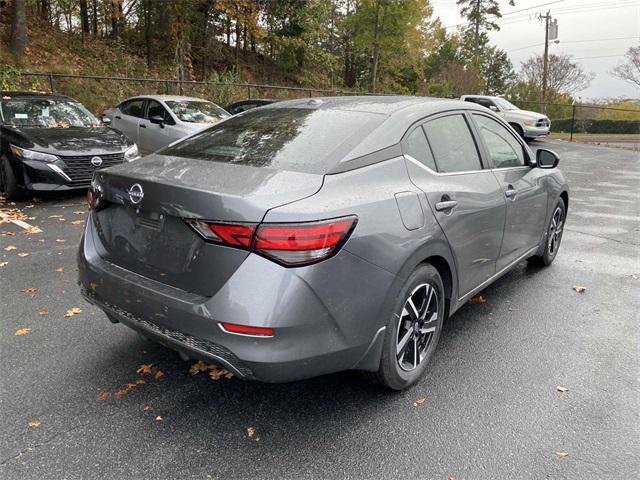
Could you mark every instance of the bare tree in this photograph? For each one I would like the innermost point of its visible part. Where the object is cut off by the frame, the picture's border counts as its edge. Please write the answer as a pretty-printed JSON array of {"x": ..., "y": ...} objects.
[
  {"x": 564, "y": 76},
  {"x": 19, "y": 29},
  {"x": 630, "y": 70}
]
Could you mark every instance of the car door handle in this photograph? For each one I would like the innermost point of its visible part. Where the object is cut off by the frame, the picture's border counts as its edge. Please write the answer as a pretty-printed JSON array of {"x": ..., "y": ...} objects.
[
  {"x": 142, "y": 125},
  {"x": 510, "y": 192},
  {"x": 446, "y": 205},
  {"x": 118, "y": 117}
]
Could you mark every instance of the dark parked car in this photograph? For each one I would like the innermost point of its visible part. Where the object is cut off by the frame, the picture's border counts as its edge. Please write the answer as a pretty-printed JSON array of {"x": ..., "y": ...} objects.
[
  {"x": 52, "y": 142},
  {"x": 319, "y": 235},
  {"x": 244, "y": 105}
]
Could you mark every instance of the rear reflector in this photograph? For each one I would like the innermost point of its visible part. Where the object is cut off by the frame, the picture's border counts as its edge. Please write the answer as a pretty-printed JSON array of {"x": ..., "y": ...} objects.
[
  {"x": 246, "y": 330},
  {"x": 289, "y": 244}
]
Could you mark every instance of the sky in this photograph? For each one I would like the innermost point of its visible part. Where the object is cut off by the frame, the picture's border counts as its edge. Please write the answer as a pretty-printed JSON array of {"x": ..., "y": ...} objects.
[{"x": 611, "y": 26}]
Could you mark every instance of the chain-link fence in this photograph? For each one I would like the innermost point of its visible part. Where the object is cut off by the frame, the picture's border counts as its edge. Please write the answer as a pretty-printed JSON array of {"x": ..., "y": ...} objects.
[
  {"x": 99, "y": 92},
  {"x": 604, "y": 124}
]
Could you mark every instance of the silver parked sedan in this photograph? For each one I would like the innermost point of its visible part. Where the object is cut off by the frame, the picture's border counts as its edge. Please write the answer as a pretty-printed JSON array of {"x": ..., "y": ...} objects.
[
  {"x": 318, "y": 235},
  {"x": 155, "y": 121}
]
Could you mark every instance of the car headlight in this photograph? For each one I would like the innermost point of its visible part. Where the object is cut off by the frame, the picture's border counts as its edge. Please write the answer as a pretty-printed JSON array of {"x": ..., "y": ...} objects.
[
  {"x": 131, "y": 153},
  {"x": 530, "y": 123},
  {"x": 32, "y": 155}
]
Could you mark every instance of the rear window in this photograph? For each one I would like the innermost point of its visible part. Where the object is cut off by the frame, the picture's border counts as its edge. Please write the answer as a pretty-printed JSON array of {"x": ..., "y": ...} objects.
[{"x": 298, "y": 139}]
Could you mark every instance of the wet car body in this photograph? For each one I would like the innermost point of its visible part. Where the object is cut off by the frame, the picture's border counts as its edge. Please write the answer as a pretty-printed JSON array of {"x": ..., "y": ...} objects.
[
  {"x": 267, "y": 315},
  {"x": 63, "y": 158}
]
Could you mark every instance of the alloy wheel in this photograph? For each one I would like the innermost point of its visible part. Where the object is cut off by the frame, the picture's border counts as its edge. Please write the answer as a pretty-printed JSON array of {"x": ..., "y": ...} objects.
[
  {"x": 416, "y": 326},
  {"x": 555, "y": 231}
]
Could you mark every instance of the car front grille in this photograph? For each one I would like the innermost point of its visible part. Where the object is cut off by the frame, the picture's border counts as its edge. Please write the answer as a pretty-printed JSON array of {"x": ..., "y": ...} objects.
[
  {"x": 543, "y": 122},
  {"x": 80, "y": 170}
]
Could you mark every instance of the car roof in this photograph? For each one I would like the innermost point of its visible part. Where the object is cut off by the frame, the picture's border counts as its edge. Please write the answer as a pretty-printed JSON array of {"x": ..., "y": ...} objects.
[
  {"x": 10, "y": 94},
  {"x": 169, "y": 98},
  {"x": 401, "y": 111}
]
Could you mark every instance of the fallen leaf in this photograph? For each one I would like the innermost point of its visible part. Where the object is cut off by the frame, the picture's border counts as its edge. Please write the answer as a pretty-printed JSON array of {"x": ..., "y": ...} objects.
[
  {"x": 59, "y": 269},
  {"x": 419, "y": 401},
  {"x": 29, "y": 206},
  {"x": 478, "y": 300},
  {"x": 60, "y": 240},
  {"x": 72, "y": 311},
  {"x": 216, "y": 373},
  {"x": 93, "y": 286},
  {"x": 562, "y": 454},
  {"x": 159, "y": 418},
  {"x": 140, "y": 382},
  {"x": 159, "y": 374},
  {"x": 32, "y": 230},
  {"x": 144, "y": 368},
  {"x": 30, "y": 291},
  {"x": 579, "y": 289},
  {"x": 23, "y": 254},
  {"x": 10, "y": 248},
  {"x": 77, "y": 222},
  {"x": 34, "y": 423},
  {"x": 250, "y": 431},
  {"x": 22, "y": 331},
  {"x": 9, "y": 234},
  {"x": 79, "y": 212},
  {"x": 2, "y": 264},
  {"x": 198, "y": 367},
  {"x": 562, "y": 389},
  {"x": 102, "y": 396},
  {"x": 43, "y": 313},
  {"x": 146, "y": 408}
]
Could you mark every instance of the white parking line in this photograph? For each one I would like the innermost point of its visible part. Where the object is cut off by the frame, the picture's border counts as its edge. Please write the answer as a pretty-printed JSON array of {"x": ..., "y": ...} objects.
[{"x": 19, "y": 223}]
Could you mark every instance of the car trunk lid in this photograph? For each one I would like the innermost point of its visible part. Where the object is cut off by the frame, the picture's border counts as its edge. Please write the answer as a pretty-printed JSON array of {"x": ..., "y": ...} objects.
[{"x": 143, "y": 229}]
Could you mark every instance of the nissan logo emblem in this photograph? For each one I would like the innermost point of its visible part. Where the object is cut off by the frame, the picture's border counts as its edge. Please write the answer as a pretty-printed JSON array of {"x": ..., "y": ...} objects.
[
  {"x": 136, "y": 194},
  {"x": 96, "y": 161}
]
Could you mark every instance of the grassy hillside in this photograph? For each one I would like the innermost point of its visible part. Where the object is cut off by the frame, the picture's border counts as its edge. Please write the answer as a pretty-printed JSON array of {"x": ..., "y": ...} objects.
[{"x": 50, "y": 50}]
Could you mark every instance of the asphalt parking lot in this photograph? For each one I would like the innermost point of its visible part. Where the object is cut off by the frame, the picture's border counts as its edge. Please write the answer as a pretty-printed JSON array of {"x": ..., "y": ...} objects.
[{"x": 74, "y": 406}]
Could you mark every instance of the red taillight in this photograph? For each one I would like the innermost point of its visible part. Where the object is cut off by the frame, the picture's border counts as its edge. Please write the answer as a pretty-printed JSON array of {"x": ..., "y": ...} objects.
[
  {"x": 302, "y": 243},
  {"x": 92, "y": 198},
  {"x": 290, "y": 244},
  {"x": 246, "y": 330}
]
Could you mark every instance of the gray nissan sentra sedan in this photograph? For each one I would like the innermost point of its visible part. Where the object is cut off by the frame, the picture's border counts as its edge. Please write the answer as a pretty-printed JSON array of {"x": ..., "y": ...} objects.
[{"x": 319, "y": 235}]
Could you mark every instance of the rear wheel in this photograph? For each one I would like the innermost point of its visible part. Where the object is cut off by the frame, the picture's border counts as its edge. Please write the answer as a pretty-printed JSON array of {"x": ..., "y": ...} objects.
[
  {"x": 413, "y": 330},
  {"x": 8, "y": 183},
  {"x": 554, "y": 236}
]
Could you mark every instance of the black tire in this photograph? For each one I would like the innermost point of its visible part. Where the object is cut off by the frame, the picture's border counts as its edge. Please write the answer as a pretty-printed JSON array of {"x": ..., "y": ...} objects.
[
  {"x": 553, "y": 237},
  {"x": 8, "y": 182},
  {"x": 518, "y": 129},
  {"x": 398, "y": 372}
]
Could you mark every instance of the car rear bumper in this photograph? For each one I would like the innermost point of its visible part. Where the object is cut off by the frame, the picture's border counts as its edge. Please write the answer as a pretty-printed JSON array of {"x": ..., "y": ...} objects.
[{"x": 319, "y": 328}]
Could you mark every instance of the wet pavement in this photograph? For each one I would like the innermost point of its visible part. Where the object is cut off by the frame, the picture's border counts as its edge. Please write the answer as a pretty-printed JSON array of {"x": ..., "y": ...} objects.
[{"x": 492, "y": 408}]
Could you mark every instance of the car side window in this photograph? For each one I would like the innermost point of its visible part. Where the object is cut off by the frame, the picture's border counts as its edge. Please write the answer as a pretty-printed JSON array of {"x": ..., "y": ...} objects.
[
  {"x": 134, "y": 108},
  {"x": 505, "y": 151},
  {"x": 156, "y": 109},
  {"x": 416, "y": 145},
  {"x": 452, "y": 144}
]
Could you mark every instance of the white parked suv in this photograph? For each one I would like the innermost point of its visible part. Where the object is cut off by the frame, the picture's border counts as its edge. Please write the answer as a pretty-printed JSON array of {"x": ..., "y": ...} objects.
[{"x": 528, "y": 124}]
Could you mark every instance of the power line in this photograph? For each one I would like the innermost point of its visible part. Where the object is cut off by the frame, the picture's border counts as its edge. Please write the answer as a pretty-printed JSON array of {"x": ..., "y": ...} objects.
[
  {"x": 600, "y": 56},
  {"x": 508, "y": 13},
  {"x": 577, "y": 41}
]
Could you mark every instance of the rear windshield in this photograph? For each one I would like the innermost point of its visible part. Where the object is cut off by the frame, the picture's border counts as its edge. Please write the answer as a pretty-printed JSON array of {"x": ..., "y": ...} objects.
[{"x": 298, "y": 139}]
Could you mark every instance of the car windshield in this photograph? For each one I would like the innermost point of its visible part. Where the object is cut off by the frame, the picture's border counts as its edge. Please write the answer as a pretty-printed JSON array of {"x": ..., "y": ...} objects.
[
  {"x": 505, "y": 105},
  {"x": 197, "y": 111},
  {"x": 45, "y": 113},
  {"x": 298, "y": 139}
]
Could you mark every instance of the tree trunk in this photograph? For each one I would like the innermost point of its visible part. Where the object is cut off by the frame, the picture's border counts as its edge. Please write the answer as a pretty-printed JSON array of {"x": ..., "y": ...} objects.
[
  {"x": 476, "y": 38},
  {"x": 376, "y": 49},
  {"x": 147, "y": 30},
  {"x": 238, "y": 32},
  {"x": 19, "y": 29},
  {"x": 94, "y": 14},
  {"x": 84, "y": 16}
]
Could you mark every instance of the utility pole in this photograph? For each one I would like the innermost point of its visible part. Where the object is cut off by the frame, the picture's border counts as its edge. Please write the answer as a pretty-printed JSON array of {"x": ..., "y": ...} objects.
[{"x": 550, "y": 33}]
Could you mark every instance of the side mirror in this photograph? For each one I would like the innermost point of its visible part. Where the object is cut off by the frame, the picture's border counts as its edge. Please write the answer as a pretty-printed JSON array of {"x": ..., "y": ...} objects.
[
  {"x": 158, "y": 120},
  {"x": 106, "y": 120},
  {"x": 493, "y": 108},
  {"x": 547, "y": 158}
]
